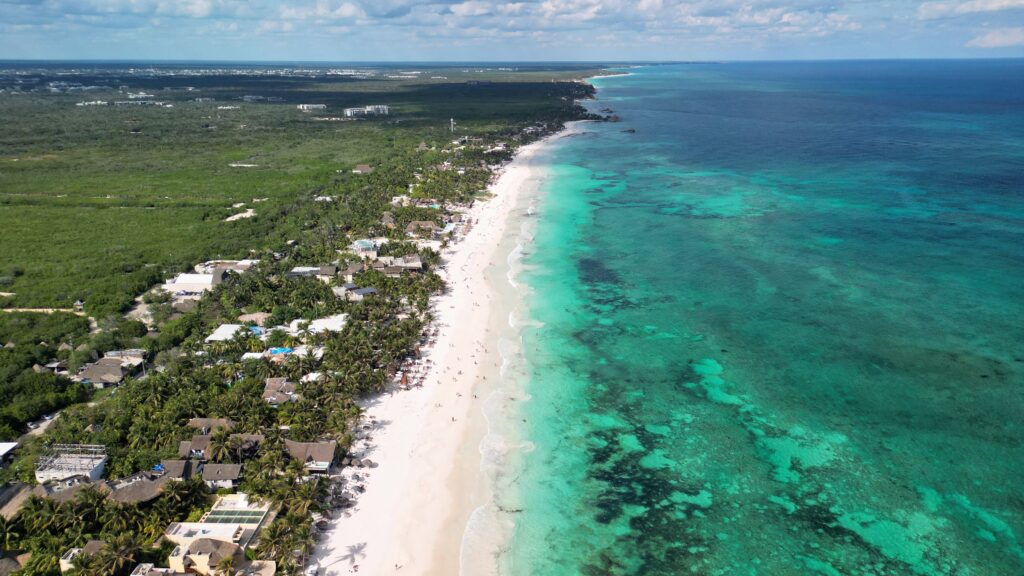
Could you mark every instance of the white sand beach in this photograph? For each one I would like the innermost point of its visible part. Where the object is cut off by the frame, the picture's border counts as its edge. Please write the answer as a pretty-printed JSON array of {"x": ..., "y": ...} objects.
[{"x": 425, "y": 441}]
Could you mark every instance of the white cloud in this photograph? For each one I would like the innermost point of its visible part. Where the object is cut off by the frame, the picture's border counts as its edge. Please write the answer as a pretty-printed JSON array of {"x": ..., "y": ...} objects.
[
  {"x": 325, "y": 10},
  {"x": 999, "y": 38},
  {"x": 930, "y": 10}
]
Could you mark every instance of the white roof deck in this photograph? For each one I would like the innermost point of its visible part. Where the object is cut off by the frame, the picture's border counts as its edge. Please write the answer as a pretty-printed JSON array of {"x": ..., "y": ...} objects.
[{"x": 224, "y": 332}]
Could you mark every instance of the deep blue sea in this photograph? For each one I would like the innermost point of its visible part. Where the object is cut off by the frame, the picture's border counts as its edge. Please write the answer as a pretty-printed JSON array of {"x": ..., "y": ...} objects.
[{"x": 780, "y": 326}]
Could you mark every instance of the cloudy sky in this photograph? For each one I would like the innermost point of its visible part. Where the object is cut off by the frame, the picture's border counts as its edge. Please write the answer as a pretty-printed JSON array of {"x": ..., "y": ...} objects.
[{"x": 362, "y": 30}]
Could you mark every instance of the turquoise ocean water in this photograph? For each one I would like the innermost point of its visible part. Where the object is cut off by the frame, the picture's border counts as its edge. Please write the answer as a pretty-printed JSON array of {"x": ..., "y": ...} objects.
[{"x": 780, "y": 327}]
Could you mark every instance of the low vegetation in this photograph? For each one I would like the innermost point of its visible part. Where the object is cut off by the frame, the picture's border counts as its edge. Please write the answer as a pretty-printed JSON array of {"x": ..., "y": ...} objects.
[{"x": 135, "y": 206}]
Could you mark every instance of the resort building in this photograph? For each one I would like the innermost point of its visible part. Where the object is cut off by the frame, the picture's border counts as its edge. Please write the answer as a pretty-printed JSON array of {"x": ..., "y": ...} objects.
[
  {"x": 360, "y": 294},
  {"x": 212, "y": 266},
  {"x": 151, "y": 570},
  {"x": 67, "y": 559},
  {"x": 333, "y": 323},
  {"x": 421, "y": 227},
  {"x": 279, "y": 391},
  {"x": 224, "y": 333},
  {"x": 316, "y": 457},
  {"x": 352, "y": 269},
  {"x": 203, "y": 555},
  {"x": 137, "y": 488},
  {"x": 179, "y": 469},
  {"x": 102, "y": 373},
  {"x": 65, "y": 490},
  {"x": 193, "y": 285},
  {"x": 208, "y": 425},
  {"x": 62, "y": 461},
  {"x": 6, "y": 452},
  {"x": 195, "y": 448},
  {"x": 311, "y": 107},
  {"x": 364, "y": 248},
  {"x": 217, "y": 476},
  {"x": 233, "y": 518},
  {"x": 372, "y": 110}
]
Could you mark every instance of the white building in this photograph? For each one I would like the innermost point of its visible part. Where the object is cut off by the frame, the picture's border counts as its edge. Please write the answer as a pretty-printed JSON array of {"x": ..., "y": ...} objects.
[
  {"x": 372, "y": 110},
  {"x": 233, "y": 518},
  {"x": 6, "y": 449},
  {"x": 329, "y": 324},
  {"x": 224, "y": 333},
  {"x": 193, "y": 285},
  {"x": 62, "y": 461},
  {"x": 311, "y": 107}
]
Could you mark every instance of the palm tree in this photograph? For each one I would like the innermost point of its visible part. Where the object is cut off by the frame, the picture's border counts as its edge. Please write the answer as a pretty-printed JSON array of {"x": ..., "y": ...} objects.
[
  {"x": 152, "y": 526},
  {"x": 45, "y": 557},
  {"x": 225, "y": 565},
  {"x": 119, "y": 553},
  {"x": 236, "y": 446},
  {"x": 8, "y": 535},
  {"x": 38, "y": 515},
  {"x": 272, "y": 539},
  {"x": 219, "y": 449}
]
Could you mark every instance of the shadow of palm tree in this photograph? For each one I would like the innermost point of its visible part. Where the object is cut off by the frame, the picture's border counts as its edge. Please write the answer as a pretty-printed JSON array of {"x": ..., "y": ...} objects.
[{"x": 355, "y": 551}]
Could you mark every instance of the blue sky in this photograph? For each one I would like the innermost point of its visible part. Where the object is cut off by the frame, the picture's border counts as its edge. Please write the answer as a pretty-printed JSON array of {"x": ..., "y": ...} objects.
[{"x": 350, "y": 30}]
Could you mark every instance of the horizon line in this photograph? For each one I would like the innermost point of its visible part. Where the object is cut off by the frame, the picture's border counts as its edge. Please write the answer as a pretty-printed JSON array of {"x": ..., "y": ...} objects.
[{"x": 499, "y": 62}]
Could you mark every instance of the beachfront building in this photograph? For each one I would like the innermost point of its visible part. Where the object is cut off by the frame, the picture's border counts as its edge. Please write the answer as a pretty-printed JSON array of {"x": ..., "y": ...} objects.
[
  {"x": 311, "y": 107},
  {"x": 233, "y": 519},
  {"x": 203, "y": 555},
  {"x": 421, "y": 228},
  {"x": 316, "y": 457},
  {"x": 148, "y": 569},
  {"x": 62, "y": 461},
  {"x": 198, "y": 447}
]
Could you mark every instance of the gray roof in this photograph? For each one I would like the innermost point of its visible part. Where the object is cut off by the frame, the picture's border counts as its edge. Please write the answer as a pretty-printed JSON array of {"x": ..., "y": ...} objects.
[
  {"x": 219, "y": 472},
  {"x": 180, "y": 469},
  {"x": 60, "y": 491},
  {"x": 105, "y": 370},
  {"x": 278, "y": 390},
  {"x": 311, "y": 451},
  {"x": 210, "y": 423},
  {"x": 198, "y": 443},
  {"x": 217, "y": 550},
  {"x": 142, "y": 488}
]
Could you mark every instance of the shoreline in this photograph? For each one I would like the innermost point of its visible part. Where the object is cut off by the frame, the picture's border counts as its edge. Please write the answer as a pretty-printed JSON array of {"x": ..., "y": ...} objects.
[{"x": 414, "y": 516}]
